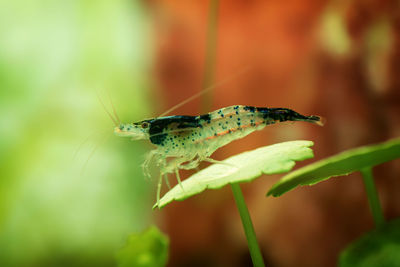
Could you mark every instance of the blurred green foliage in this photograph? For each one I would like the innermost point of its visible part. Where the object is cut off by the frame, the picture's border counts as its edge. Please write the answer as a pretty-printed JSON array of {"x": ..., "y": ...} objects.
[
  {"x": 147, "y": 249},
  {"x": 341, "y": 164},
  {"x": 377, "y": 248},
  {"x": 55, "y": 210}
]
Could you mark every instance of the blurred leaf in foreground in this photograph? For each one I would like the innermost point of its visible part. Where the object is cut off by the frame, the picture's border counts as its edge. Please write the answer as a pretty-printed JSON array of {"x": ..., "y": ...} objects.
[
  {"x": 377, "y": 248},
  {"x": 340, "y": 164},
  {"x": 147, "y": 249},
  {"x": 244, "y": 167}
]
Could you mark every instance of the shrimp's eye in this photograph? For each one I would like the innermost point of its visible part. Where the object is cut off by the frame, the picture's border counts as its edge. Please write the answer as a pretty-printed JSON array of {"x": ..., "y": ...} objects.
[{"x": 145, "y": 125}]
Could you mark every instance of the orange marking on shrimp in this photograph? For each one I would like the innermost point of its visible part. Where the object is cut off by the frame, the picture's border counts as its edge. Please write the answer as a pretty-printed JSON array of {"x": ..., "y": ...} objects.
[{"x": 230, "y": 131}]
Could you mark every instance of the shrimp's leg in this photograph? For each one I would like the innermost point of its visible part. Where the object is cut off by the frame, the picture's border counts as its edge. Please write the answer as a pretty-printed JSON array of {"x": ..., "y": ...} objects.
[
  {"x": 173, "y": 166},
  {"x": 146, "y": 163},
  {"x": 191, "y": 165},
  {"x": 178, "y": 177},
  {"x": 166, "y": 180},
  {"x": 161, "y": 162},
  {"x": 159, "y": 188}
]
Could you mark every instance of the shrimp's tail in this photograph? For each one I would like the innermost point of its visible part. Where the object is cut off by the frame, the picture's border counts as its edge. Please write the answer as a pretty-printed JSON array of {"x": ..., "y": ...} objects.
[
  {"x": 285, "y": 114},
  {"x": 318, "y": 120}
]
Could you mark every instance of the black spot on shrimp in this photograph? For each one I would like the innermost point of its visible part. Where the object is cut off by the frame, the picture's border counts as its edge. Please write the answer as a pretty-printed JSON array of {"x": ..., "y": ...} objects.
[
  {"x": 205, "y": 117},
  {"x": 250, "y": 108},
  {"x": 160, "y": 127},
  {"x": 158, "y": 139}
]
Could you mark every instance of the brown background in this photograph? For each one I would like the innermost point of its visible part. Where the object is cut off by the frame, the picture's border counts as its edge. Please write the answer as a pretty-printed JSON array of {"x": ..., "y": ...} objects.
[{"x": 296, "y": 59}]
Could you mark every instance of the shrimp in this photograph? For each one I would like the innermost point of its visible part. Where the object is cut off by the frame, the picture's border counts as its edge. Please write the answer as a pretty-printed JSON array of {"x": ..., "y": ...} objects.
[{"x": 190, "y": 140}]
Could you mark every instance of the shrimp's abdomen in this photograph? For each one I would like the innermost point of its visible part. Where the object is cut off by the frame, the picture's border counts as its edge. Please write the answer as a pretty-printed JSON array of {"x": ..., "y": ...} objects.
[
  {"x": 202, "y": 135},
  {"x": 228, "y": 124}
]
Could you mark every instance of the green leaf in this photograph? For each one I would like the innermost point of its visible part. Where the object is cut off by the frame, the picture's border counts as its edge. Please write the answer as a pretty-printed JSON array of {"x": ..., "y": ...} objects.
[
  {"x": 340, "y": 164},
  {"x": 243, "y": 167},
  {"x": 377, "y": 248},
  {"x": 146, "y": 249}
]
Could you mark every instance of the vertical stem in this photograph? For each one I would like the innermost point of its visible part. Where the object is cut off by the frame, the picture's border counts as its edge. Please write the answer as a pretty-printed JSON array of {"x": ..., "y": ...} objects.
[
  {"x": 372, "y": 196},
  {"x": 209, "y": 74},
  {"x": 255, "y": 252},
  {"x": 211, "y": 49}
]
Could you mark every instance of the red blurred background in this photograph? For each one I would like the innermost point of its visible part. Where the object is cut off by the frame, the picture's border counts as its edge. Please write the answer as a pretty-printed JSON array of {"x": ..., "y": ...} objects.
[{"x": 338, "y": 59}]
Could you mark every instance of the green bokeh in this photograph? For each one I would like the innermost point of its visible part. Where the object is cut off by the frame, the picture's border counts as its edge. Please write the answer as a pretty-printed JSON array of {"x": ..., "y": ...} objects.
[
  {"x": 379, "y": 247},
  {"x": 147, "y": 249},
  {"x": 56, "y": 210}
]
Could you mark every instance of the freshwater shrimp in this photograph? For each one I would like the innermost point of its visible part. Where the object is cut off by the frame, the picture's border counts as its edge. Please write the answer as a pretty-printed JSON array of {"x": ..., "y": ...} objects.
[{"x": 190, "y": 140}]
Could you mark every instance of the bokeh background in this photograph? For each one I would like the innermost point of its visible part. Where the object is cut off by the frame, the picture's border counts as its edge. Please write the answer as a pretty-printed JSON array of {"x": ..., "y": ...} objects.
[{"x": 71, "y": 192}]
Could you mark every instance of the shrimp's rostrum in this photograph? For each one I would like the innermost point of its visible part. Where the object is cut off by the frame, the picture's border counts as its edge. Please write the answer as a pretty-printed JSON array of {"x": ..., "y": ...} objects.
[{"x": 192, "y": 139}]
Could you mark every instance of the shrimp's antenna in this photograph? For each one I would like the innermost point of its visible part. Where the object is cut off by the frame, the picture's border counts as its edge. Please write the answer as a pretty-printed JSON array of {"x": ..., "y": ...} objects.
[
  {"x": 224, "y": 81},
  {"x": 104, "y": 107},
  {"x": 102, "y": 141},
  {"x": 113, "y": 107},
  {"x": 86, "y": 140}
]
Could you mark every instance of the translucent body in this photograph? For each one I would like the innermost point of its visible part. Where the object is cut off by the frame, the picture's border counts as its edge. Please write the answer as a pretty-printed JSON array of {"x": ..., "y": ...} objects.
[{"x": 192, "y": 139}]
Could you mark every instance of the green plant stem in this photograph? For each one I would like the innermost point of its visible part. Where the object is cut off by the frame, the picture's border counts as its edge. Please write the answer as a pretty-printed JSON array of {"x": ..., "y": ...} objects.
[
  {"x": 209, "y": 75},
  {"x": 372, "y": 196},
  {"x": 255, "y": 252},
  {"x": 211, "y": 50}
]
